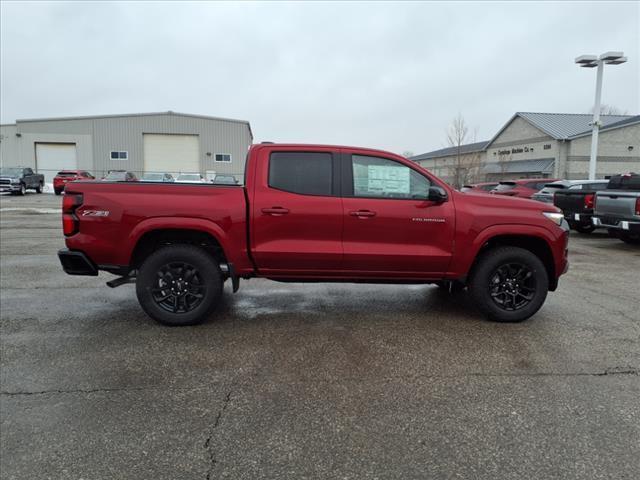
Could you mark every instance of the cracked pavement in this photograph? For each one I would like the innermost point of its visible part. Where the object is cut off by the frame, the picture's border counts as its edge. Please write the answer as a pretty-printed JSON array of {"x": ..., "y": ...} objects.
[{"x": 313, "y": 381}]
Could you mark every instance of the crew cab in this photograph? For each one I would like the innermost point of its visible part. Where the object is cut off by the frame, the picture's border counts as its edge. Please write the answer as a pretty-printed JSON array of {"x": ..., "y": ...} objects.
[
  {"x": 577, "y": 201},
  {"x": 618, "y": 207},
  {"x": 313, "y": 213},
  {"x": 18, "y": 180}
]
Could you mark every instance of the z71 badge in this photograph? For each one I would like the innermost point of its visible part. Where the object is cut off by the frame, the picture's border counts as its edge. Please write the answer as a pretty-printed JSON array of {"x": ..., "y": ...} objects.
[{"x": 95, "y": 213}]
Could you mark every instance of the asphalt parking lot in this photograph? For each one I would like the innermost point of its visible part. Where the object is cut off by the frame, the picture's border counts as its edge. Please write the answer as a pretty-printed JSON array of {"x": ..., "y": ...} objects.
[{"x": 313, "y": 381}]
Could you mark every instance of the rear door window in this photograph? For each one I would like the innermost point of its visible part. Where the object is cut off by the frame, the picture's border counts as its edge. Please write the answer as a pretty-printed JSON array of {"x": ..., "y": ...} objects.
[
  {"x": 306, "y": 173},
  {"x": 504, "y": 187}
]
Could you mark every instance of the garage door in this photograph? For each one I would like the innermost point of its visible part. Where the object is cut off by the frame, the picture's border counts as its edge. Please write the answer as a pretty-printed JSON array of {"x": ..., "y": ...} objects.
[
  {"x": 53, "y": 157},
  {"x": 171, "y": 153}
]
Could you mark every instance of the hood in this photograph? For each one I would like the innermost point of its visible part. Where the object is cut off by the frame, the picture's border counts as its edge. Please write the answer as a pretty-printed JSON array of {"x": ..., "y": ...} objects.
[{"x": 506, "y": 202}]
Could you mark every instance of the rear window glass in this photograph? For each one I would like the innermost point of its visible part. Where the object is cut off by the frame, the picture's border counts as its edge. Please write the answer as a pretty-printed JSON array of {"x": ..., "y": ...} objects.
[
  {"x": 307, "y": 173},
  {"x": 624, "y": 182},
  {"x": 503, "y": 187},
  {"x": 67, "y": 174}
]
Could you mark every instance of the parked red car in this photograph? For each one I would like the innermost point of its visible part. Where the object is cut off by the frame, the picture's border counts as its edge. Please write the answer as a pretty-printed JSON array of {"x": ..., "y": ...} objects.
[
  {"x": 66, "y": 176},
  {"x": 523, "y": 188},
  {"x": 313, "y": 213},
  {"x": 483, "y": 187}
]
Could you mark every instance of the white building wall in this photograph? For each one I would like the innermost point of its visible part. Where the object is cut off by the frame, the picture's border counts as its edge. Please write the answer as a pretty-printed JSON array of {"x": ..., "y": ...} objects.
[{"x": 9, "y": 155}]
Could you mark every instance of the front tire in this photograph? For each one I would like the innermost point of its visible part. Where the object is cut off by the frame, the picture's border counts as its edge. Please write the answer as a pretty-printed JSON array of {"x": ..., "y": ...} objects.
[
  {"x": 179, "y": 285},
  {"x": 23, "y": 190},
  {"x": 585, "y": 229},
  {"x": 39, "y": 188},
  {"x": 509, "y": 284},
  {"x": 630, "y": 238}
]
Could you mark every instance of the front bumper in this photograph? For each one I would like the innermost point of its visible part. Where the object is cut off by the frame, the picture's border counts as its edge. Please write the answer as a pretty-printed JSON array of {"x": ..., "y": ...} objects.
[
  {"x": 632, "y": 226},
  {"x": 77, "y": 263},
  {"x": 10, "y": 187}
]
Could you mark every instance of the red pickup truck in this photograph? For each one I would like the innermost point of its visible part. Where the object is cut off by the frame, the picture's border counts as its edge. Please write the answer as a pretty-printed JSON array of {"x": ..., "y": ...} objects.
[{"x": 313, "y": 213}]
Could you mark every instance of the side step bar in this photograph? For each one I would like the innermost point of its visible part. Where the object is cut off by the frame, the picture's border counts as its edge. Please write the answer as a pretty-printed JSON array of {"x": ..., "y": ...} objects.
[{"x": 226, "y": 268}]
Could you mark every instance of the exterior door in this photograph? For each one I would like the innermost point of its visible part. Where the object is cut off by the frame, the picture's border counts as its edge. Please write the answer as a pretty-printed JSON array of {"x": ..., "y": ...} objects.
[
  {"x": 297, "y": 213},
  {"x": 390, "y": 228},
  {"x": 53, "y": 157}
]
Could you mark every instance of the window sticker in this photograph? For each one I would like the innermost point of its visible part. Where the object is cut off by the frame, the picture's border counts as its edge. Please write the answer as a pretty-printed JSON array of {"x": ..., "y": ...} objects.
[{"x": 388, "y": 179}]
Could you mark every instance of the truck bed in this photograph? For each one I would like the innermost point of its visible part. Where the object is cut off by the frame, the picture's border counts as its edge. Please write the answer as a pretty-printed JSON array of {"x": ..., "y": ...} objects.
[{"x": 120, "y": 213}]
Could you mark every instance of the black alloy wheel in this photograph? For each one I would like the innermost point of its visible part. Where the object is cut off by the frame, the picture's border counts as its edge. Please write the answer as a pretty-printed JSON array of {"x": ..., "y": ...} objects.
[
  {"x": 512, "y": 286},
  {"x": 179, "y": 287},
  {"x": 508, "y": 283}
]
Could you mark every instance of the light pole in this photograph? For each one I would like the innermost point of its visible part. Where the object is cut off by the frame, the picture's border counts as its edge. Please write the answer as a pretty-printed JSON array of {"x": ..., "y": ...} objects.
[{"x": 590, "y": 61}]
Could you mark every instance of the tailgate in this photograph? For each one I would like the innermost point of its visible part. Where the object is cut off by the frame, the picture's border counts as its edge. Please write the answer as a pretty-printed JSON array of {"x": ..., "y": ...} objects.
[
  {"x": 616, "y": 203},
  {"x": 569, "y": 201}
]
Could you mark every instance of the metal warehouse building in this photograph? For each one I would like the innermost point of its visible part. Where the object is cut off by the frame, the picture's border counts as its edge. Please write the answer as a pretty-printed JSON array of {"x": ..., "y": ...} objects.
[
  {"x": 544, "y": 145},
  {"x": 146, "y": 142}
]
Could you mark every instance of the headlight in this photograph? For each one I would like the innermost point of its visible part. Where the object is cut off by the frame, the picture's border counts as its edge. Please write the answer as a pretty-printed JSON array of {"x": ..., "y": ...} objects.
[
  {"x": 15, "y": 180},
  {"x": 555, "y": 217}
]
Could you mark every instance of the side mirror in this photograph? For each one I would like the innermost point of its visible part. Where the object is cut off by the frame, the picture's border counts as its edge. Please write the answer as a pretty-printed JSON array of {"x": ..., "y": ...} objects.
[{"x": 437, "y": 194}]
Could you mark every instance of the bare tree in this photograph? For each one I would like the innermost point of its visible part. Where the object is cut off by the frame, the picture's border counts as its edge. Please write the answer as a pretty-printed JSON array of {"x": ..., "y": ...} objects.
[
  {"x": 457, "y": 136},
  {"x": 609, "y": 110},
  {"x": 503, "y": 163}
]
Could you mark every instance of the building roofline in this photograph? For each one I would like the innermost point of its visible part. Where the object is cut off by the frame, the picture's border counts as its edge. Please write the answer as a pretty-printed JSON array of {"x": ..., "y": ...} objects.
[
  {"x": 481, "y": 147},
  {"x": 542, "y": 129},
  {"x": 147, "y": 114},
  {"x": 8, "y": 125},
  {"x": 634, "y": 120}
]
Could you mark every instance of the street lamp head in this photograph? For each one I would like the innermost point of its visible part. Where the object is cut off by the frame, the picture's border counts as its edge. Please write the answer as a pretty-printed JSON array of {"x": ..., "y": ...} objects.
[
  {"x": 588, "y": 65},
  {"x": 586, "y": 59},
  {"x": 616, "y": 61},
  {"x": 609, "y": 56}
]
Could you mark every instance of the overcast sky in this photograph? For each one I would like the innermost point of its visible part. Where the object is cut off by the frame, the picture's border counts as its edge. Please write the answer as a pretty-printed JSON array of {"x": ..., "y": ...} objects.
[{"x": 385, "y": 75}]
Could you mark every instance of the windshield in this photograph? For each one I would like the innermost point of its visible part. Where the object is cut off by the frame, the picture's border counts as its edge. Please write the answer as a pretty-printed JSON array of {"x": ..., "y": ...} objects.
[
  {"x": 503, "y": 187},
  {"x": 190, "y": 177},
  {"x": 11, "y": 171},
  {"x": 154, "y": 177},
  {"x": 116, "y": 176}
]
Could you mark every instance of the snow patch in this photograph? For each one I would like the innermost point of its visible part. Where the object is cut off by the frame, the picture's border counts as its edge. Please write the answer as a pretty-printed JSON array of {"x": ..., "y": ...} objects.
[{"x": 31, "y": 210}]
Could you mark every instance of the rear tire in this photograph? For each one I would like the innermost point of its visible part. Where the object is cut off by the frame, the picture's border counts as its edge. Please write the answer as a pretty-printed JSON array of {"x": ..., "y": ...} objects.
[
  {"x": 509, "y": 284},
  {"x": 39, "y": 188},
  {"x": 179, "y": 285},
  {"x": 630, "y": 238},
  {"x": 58, "y": 192},
  {"x": 584, "y": 229}
]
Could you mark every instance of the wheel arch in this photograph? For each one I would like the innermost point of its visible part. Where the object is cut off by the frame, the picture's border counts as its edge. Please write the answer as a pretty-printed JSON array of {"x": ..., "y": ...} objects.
[
  {"x": 146, "y": 239},
  {"x": 537, "y": 245}
]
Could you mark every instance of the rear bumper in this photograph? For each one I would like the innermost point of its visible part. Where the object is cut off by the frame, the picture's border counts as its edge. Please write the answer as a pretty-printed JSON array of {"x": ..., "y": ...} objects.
[
  {"x": 578, "y": 218},
  {"x": 617, "y": 224},
  {"x": 77, "y": 263}
]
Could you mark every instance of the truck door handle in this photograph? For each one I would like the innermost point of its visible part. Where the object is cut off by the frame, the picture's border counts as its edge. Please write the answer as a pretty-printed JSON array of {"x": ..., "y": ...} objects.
[
  {"x": 275, "y": 211},
  {"x": 362, "y": 213}
]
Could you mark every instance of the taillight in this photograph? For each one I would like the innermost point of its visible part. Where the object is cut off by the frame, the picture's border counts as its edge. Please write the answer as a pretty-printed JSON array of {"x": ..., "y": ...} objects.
[
  {"x": 638, "y": 206},
  {"x": 589, "y": 200},
  {"x": 70, "y": 223}
]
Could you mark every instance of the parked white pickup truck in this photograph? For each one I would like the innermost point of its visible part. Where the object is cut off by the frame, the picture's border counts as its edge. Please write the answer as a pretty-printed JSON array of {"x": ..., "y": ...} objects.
[{"x": 618, "y": 207}]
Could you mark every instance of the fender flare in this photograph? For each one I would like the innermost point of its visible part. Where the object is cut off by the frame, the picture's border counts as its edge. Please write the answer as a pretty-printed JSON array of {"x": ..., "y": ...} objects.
[
  {"x": 493, "y": 231},
  {"x": 176, "y": 223}
]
